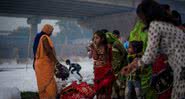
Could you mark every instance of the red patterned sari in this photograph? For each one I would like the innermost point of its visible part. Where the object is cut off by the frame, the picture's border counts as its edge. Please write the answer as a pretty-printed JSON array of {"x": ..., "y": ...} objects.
[{"x": 103, "y": 73}]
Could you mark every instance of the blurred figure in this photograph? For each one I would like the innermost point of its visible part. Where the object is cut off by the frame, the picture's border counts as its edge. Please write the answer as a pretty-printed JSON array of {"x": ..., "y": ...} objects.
[
  {"x": 119, "y": 56},
  {"x": 74, "y": 67},
  {"x": 135, "y": 50},
  {"x": 138, "y": 34},
  {"x": 116, "y": 33}
]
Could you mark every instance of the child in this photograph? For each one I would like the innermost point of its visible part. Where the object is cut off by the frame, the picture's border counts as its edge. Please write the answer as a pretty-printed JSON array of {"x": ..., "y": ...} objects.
[
  {"x": 76, "y": 67},
  {"x": 103, "y": 73},
  {"x": 133, "y": 79}
]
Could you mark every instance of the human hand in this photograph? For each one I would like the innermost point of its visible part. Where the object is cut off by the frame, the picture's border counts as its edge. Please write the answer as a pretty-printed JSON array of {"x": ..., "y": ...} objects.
[
  {"x": 126, "y": 70},
  {"x": 57, "y": 63},
  {"x": 134, "y": 63}
]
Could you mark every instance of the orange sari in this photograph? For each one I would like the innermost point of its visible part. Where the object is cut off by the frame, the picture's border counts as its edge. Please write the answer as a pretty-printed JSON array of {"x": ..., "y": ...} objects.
[{"x": 44, "y": 69}]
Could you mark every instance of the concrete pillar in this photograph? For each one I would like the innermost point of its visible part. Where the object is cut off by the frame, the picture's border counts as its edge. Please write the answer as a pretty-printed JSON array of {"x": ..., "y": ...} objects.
[{"x": 33, "y": 21}]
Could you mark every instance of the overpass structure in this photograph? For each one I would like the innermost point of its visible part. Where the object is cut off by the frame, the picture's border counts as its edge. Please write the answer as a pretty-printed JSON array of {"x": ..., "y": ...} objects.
[
  {"x": 87, "y": 11},
  {"x": 35, "y": 10},
  {"x": 64, "y": 8},
  {"x": 95, "y": 14}
]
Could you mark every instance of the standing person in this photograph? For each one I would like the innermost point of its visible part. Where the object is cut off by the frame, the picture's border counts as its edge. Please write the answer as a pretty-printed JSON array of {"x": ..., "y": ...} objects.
[
  {"x": 163, "y": 37},
  {"x": 75, "y": 67},
  {"x": 134, "y": 78},
  {"x": 44, "y": 63},
  {"x": 103, "y": 73},
  {"x": 137, "y": 34},
  {"x": 119, "y": 55}
]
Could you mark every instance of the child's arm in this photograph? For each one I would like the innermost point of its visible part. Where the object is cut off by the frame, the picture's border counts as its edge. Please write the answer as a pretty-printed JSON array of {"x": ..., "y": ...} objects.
[{"x": 70, "y": 67}]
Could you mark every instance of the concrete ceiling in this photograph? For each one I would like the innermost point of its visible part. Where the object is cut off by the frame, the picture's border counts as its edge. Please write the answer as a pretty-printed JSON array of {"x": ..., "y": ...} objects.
[
  {"x": 63, "y": 8},
  {"x": 74, "y": 8}
]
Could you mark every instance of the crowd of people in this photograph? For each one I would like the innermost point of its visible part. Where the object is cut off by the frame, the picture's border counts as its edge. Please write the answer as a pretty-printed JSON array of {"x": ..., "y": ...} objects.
[{"x": 150, "y": 65}]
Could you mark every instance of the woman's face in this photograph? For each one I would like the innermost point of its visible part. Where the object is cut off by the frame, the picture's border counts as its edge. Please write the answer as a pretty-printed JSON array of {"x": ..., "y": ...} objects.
[
  {"x": 96, "y": 39},
  {"x": 50, "y": 32}
]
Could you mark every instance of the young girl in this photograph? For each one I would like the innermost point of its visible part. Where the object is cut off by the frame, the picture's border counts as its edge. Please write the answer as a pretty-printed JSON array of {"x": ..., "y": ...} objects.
[
  {"x": 103, "y": 74},
  {"x": 133, "y": 79}
]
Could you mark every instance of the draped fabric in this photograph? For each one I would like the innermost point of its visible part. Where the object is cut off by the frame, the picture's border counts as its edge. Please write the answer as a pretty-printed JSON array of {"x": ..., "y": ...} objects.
[
  {"x": 159, "y": 65},
  {"x": 119, "y": 55},
  {"x": 103, "y": 73},
  {"x": 78, "y": 91},
  {"x": 137, "y": 34},
  {"x": 36, "y": 42},
  {"x": 103, "y": 78},
  {"x": 44, "y": 69},
  {"x": 111, "y": 38}
]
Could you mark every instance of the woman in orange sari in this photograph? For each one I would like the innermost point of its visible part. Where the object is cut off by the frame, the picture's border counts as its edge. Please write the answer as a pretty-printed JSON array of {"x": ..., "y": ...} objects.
[{"x": 44, "y": 63}]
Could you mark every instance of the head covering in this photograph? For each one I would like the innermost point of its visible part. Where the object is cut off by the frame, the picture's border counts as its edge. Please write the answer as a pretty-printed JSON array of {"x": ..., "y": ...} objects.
[
  {"x": 110, "y": 38},
  {"x": 116, "y": 32},
  {"x": 47, "y": 29},
  {"x": 36, "y": 42}
]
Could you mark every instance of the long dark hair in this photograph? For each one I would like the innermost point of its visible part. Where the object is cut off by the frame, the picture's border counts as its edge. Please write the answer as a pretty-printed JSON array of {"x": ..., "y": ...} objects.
[
  {"x": 177, "y": 17},
  {"x": 102, "y": 35},
  {"x": 104, "y": 43},
  {"x": 153, "y": 11}
]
